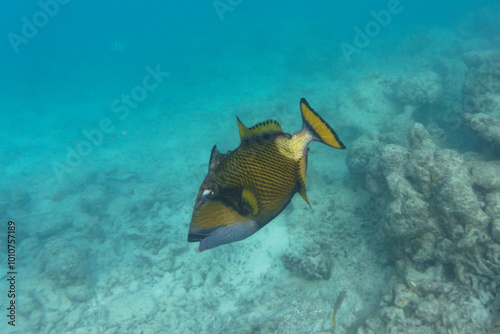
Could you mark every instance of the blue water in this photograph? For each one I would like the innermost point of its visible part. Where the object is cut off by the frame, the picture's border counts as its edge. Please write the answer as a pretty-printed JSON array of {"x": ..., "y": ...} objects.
[{"x": 110, "y": 111}]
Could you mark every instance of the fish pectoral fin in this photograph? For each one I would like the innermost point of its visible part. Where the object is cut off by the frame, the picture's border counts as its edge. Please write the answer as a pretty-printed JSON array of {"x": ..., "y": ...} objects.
[
  {"x": 301, "y": 178},
  {"x": 268, "y": 128},
  {"x": 250, "y": 204}
]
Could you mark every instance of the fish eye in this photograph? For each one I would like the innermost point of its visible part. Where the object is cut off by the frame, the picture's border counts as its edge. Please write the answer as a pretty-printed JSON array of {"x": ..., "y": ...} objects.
[{"x": 207, "y": 192}]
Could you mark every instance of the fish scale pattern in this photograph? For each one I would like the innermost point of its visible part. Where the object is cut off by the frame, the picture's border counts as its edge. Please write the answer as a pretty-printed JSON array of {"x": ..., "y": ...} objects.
[{"x": 262, "y": 167}]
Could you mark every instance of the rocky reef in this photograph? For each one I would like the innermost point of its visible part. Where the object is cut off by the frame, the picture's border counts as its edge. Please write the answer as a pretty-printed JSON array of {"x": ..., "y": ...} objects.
[
  {"x": 384, "y": 105},
  {"x": 437, "y": 209},
  {"x": 486, "y": 127},
  {"x": 312, "y": 264},
  {"x": 439, "y": 212},
  {"x": 482, "y": 95},
  {"x": 421, "y": 88}
]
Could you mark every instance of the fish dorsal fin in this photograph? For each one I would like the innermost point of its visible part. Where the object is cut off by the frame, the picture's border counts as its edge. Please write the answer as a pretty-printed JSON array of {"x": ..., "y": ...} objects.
[
  {"x": 301, "y": 183},
  {"x": 216, "y": 158},
  {"x": 267, "y": 128},
  {"x": 249, "y": 202}
]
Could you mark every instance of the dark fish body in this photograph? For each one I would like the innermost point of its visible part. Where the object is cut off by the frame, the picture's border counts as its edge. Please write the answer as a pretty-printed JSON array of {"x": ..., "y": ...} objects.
[
  {"x": 338, "y": 302},
  {"x": 246, "y": 188}
]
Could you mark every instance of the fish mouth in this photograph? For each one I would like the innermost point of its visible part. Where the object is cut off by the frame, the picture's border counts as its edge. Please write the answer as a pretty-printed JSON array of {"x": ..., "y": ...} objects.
[{"x": 210, "y": 216}]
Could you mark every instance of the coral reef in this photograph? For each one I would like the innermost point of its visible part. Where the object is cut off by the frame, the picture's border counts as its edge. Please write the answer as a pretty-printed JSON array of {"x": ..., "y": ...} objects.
[
  {"x": 65, "y": 263},
  {"x": 482, "y": 82},
  {"x": 312, "y": 265},
  {"x": 385, "y": 105},
  {"x": 486, "y": 127},
  {"x": 68, "y": 267},
  {"x": 482, "y": 95},
  {"x": 421, "y": 88},
  {"x": 365, "y": 109},
  {"x": 438, "y": 210}
]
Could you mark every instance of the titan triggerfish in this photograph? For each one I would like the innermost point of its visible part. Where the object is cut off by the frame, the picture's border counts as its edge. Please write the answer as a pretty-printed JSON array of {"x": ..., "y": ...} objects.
[{"x": 247, "y": 188}]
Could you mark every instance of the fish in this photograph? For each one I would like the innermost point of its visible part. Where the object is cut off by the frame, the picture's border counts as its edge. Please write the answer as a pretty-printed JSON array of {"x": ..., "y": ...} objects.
[
  {"x": 338, "y": 302},
  {"x": 247, "y": 188}
]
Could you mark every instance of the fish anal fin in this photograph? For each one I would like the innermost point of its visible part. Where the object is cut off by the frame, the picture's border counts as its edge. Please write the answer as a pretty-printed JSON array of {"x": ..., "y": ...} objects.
[
  {"x": 268, "y": 128},
  {"x": 249, "y": 202},
  {"x": 301, "y": 183}
]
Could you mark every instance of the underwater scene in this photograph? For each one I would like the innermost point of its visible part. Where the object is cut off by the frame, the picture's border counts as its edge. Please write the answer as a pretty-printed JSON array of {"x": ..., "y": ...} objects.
[{"x": 237, "y": 166}]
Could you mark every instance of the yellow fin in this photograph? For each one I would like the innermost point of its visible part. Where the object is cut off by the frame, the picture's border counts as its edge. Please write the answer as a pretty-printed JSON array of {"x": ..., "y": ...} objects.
[
  {"x": 269, "y": 127},
  {"x": 250, "y": 202},
  {"x": 302, "y": 178},
  {"x": 318, "y": 127}
]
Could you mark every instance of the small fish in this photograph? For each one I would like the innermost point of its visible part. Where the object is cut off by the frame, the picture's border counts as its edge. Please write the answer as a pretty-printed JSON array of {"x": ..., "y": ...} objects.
[
  {"x": 338, "y": 302},
  {"x": 247, "y": 188},
  {"x": 117, "y": 46}
]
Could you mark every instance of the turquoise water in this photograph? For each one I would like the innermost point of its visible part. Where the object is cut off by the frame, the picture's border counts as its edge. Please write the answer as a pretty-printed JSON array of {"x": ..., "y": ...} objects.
[{"x": 109, "y": 114}]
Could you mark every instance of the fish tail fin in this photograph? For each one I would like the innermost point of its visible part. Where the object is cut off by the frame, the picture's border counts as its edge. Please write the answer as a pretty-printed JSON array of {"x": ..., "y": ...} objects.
[{"x": 320, "y": 129}]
